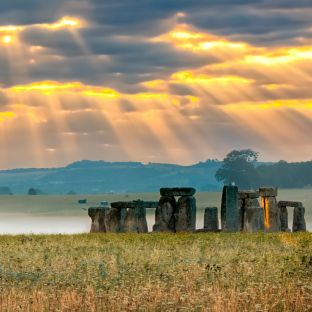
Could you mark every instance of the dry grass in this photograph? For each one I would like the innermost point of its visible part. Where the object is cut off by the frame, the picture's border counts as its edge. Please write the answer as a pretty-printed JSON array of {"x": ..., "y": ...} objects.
[{"x": 156, "y": 272}]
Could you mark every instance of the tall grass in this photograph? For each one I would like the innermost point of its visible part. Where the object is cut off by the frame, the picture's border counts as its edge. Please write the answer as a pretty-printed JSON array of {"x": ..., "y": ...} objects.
[{"x": 156, "y": 272}]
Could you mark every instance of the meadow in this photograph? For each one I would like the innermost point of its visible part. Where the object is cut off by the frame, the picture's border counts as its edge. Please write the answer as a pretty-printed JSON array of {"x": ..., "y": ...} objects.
[
  {"x": 147, "y": 272},
  {"x": 156, "y": 272}
]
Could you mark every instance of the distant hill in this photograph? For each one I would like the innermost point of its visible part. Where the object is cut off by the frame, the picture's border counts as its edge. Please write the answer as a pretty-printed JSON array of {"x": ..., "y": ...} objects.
[{"x": 95, "y": 177}]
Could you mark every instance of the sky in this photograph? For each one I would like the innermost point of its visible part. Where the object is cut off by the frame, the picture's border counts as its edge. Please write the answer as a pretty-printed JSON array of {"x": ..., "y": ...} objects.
[{"x": 154, "y": 80}]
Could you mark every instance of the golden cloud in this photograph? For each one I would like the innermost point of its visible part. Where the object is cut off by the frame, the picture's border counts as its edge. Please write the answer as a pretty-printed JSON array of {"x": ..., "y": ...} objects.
[{"x": 248, "y": 89}]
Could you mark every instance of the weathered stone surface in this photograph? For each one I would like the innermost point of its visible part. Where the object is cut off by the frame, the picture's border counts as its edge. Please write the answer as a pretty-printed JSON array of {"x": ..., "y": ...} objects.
[
  {"x": 284, "y": 218},
  {"x": 241, "y": 207},
  {"x": 185, "y": 214},
  {"x": 113, "y": 222},
  {"x": 243, "y": 196},
  {"x": 97, "y": 215},
  {"x": 272, "y": 220},
  {"x": 164, "y": 215},
  {"x": 253, "y": 216},
  {"x": 211, "y": 219},
  {"x": 123, "y": 204},
  {"x": 248, "y": 194},
  {"x": 123, "y": 213},
  {"x": 268, "y": 191},
  {"x": 229, "y": 209},
  {"x": 177, "y": 191},
  {"x": 284, "y": 203},
  {"x": 135, "y": 220},
  {"x": 134, "y": 204},
  {"x": 299, "y": 224}
]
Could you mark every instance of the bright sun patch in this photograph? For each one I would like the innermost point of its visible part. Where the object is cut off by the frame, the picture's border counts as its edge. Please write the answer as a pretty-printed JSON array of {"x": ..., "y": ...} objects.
[
  {"x": 6, "y": 115},
  {"x": 7, "y": 39}
]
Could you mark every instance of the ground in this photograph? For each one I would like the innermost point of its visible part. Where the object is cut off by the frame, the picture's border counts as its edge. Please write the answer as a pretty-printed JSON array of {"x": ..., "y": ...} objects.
[{"x": 156, "y": 272}]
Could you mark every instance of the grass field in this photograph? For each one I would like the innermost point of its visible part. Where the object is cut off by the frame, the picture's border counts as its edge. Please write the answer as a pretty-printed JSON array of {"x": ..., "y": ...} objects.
[{"x": 156, "y": 272}]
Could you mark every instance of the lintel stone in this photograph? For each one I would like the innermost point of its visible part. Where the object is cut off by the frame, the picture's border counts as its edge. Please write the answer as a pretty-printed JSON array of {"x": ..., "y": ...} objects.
[
  {"x": 287, "y": 203},
  {"x": 248, "y": 194},
  {"x": 268, "y": 191},
  {"x": 134, "y": 204},
  {"x": 177, "y": 191}
]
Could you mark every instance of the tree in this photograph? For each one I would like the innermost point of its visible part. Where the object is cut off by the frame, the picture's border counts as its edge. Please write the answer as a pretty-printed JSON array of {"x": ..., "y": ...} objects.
[{"x": 238, "y": 167}]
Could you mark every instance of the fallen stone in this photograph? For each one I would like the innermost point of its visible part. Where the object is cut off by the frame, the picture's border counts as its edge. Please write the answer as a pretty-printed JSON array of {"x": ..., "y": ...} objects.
[
  {"x": 211, "y": 219},
  {"x": 185, "y": 214},
  {"x": 164, "y": 215},
  {"x": 177, "y": 191},
  {"x": 229, "y": 209},
  {"x": 97, "y": 215},
  {"x": 299, "y": 224},
  {"x": 268, "y": 191}
]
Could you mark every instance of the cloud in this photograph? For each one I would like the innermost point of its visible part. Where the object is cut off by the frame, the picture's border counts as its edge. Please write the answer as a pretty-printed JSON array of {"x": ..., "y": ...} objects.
[{"x": 181, "y": 80}]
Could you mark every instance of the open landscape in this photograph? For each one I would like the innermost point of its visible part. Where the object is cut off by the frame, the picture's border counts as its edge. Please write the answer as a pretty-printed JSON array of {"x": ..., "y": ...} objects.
[
  {"x": 157, "y": 272},
  {"x": 63, "y": 214},
  {"x": 147, "y": 272},
  {"x": 156, "y": 156}
]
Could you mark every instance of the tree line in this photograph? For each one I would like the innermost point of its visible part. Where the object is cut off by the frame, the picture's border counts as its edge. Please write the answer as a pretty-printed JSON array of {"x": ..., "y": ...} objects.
[{"x": 242, "y": 168}]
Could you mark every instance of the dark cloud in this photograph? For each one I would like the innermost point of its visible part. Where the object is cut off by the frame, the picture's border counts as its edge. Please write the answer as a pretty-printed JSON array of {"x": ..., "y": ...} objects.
[
  {"x": 115, "y": 50},
  {"x": 121, "y": 30}
]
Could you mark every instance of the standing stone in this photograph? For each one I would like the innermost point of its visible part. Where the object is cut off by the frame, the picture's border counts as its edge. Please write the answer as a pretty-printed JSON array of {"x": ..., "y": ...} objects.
[
  {"x": 113, "y": 220},
  {"x": 135, "y": 220},
  {"x": 253, "y": 216},
  {"x": 97, "y": 215},
  {"x": 246, "y": 200},
  {"x": 272, "y": 220},
  {"x": 164, "y": 215},
  {"x": 229, "y": 209},
  {"x": 185, "y": 215},
  {"x": 284, "y": 218},
  {"x": 240, "y": 206},
  {"x": 211, "y": 220},
  {"x": 299, "y": 224},
  {"x": 123, "y": 213}
]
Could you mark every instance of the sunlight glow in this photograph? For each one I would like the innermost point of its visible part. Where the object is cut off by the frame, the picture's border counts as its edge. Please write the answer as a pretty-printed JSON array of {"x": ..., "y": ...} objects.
[
  {"x": 184, "y": 37},
  {"x": 64, "y": 22},
  {"x": 6, "y": 115},
  {"x": 236, "y": 86},
  {"x": 7, "y": 39},
  {"x": 189, "y": 77},
  {"x": 54, "y": 87},
  {"x": 281, "y": 56}
]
